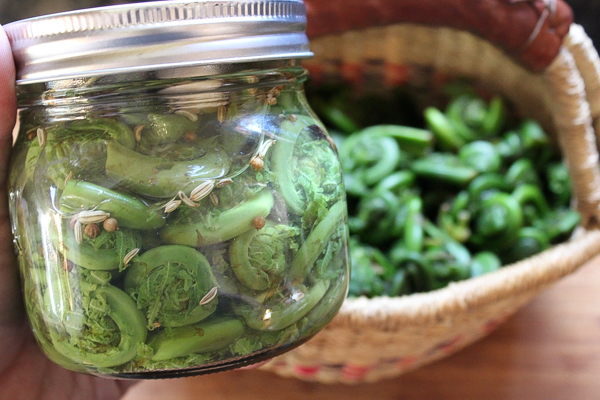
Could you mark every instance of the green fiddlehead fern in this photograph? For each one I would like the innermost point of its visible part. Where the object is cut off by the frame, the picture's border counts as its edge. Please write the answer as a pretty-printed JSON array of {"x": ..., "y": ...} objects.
[
  {"x": 93, "y": 324},
  {"x": 158, "y": 177},
  {"x": 316, "y": 241},
  {"x": 106, "y": 252},
  {"x": 79, "y": 149},
  {"x": 174, "y": 285},
  {"x": 497, "y": 222},
  {"x": 259, "y": 257},
  {"x": 129, "y": 211},
  {"x": 284, "y": 309},
  {"x": 204, "y": 337},
  {"x": 305, "y": 165},
  {"x": 228, "y": 224}
]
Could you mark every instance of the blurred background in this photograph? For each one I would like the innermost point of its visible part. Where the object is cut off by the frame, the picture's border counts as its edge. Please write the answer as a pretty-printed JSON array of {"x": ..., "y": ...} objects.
[
  {"x": 587, "y": 12},
  {"x": 540, "y": 353}
]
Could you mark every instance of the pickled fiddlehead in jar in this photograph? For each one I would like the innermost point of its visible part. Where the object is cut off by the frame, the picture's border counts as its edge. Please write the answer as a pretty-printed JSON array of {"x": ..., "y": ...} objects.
[
  {"x": 178, "y": 235},
  {"x": 176, "y": 206}
]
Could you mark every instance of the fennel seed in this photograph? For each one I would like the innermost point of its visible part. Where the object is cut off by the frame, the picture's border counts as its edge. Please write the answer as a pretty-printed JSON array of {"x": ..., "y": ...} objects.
[
  {"x": 221, "y": 112},
  {"x": 172, "y": 205},
  {"x": 41, "y": 135},
  {"x": 264, "y": 147},
  {"x": 224, "y": 182},
  {"x": 137, "y": 132},
  {"x": 212, "y": 293},
  {"x": 78, "y": 232},
  {"x": 202, "y": 190},
  {"x": 186, "y": 200},
  {"x": 129, "y": 256},
  {"x": 189, "y": 115},
  {"x": 92, "y": 217},
  {"x": 213, "y": 199}
]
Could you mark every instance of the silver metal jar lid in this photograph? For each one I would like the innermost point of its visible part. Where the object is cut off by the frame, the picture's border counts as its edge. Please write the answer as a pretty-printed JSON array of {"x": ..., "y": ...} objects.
[{"x": 156, "y": 35}]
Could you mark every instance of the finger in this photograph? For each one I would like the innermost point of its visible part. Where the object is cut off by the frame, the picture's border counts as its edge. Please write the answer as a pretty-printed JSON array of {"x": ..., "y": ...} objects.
[
  {"x": 8, "y": 98},
  {"x": 10, "y": 298}
]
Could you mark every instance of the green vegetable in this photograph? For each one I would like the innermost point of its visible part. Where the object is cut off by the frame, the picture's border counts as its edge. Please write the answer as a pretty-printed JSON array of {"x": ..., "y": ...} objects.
[
  {"x": 370, "y": 155},
  {"x": 316, "y": 241},
  {"x": 103, "y": 253},
  {"x": 106, "y": 331},
  {"x": 128, "y": 210},
  {"x": 497, "y": 222},
  {"x": 559, "y": 183},
  {"x": 424, "y": 213},
  {"x": 443, "y": 129},
  {"x": 171, "y": 285},
  {"x": 282, "y": 313},
  {"x": 522, "y": 172},
  {"x": 157, "y": 177},
  {"x": 484, "y": 262},
  {"x": 532, "y": 201},
  {"x": 166, "y": 128},
  {"x": 305, "y": 165},
  {"x": 445, "y": 168},
  {"x": 529, "y": 241},
  {"x": 260, "y": 256},
  {"x": 473, "y": 119},
  {"x": 368, "y": 268},
  {"x": 487, "y": 183},
  {"x": 203, "y": 337},
  {"x": 229, "y": 224},
  {"x": 413, "y": 228},
  {"x": 105, "y": 128},
  {"x": 378, "y": 217},
  {"x": 481, "y": 155},
  {"x": 454, "y": 216}
]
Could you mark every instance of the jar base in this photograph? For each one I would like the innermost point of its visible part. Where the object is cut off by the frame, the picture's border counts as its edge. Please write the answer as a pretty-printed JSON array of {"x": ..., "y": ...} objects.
[{"x": 225, "y": 365}]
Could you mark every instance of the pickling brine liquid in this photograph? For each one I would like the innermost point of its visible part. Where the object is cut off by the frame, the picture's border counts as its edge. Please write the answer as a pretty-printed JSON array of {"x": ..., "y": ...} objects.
[{"x": 176, "y": 225}]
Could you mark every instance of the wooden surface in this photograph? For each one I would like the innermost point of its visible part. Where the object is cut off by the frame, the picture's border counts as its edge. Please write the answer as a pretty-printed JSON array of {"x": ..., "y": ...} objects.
[{"x": 550, "y": 350}]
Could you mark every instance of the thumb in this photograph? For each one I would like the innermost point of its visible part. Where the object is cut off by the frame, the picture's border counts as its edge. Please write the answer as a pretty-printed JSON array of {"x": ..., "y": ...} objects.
[
  {"x": 8, "y": 99},
  {"x": 10, "y": 296}
]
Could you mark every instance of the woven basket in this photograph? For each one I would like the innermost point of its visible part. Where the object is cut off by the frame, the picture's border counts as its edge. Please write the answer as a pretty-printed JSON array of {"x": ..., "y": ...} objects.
[{"x": 372, "y": 339}]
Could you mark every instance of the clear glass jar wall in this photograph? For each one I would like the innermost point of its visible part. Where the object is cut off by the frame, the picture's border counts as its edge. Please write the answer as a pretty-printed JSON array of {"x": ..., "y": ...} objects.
[{"x": 170, "y": 226}]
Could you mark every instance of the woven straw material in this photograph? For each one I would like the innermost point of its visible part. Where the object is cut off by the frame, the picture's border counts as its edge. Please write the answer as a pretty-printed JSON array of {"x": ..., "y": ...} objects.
[{"x": 372, "y": 339}]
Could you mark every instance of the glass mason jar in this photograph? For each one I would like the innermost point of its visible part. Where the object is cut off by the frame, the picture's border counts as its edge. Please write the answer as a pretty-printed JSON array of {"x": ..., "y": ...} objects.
[{"x": 176, "y": 206}]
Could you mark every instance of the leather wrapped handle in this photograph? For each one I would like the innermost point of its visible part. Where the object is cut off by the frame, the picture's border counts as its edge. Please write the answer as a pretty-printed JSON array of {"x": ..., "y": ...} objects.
[{"x": 530, "y": 31}]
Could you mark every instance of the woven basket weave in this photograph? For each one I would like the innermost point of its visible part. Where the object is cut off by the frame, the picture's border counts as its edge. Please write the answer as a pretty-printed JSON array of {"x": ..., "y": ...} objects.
[{"x": 372, "y": 339}]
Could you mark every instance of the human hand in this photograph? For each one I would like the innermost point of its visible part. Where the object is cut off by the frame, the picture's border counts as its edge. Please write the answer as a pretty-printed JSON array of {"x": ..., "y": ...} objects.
[{"x": 25, "y": 373}]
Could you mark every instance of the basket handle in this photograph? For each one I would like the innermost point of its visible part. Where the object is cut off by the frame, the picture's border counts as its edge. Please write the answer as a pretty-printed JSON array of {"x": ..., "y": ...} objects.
[{"x": 530, "y": 31}]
